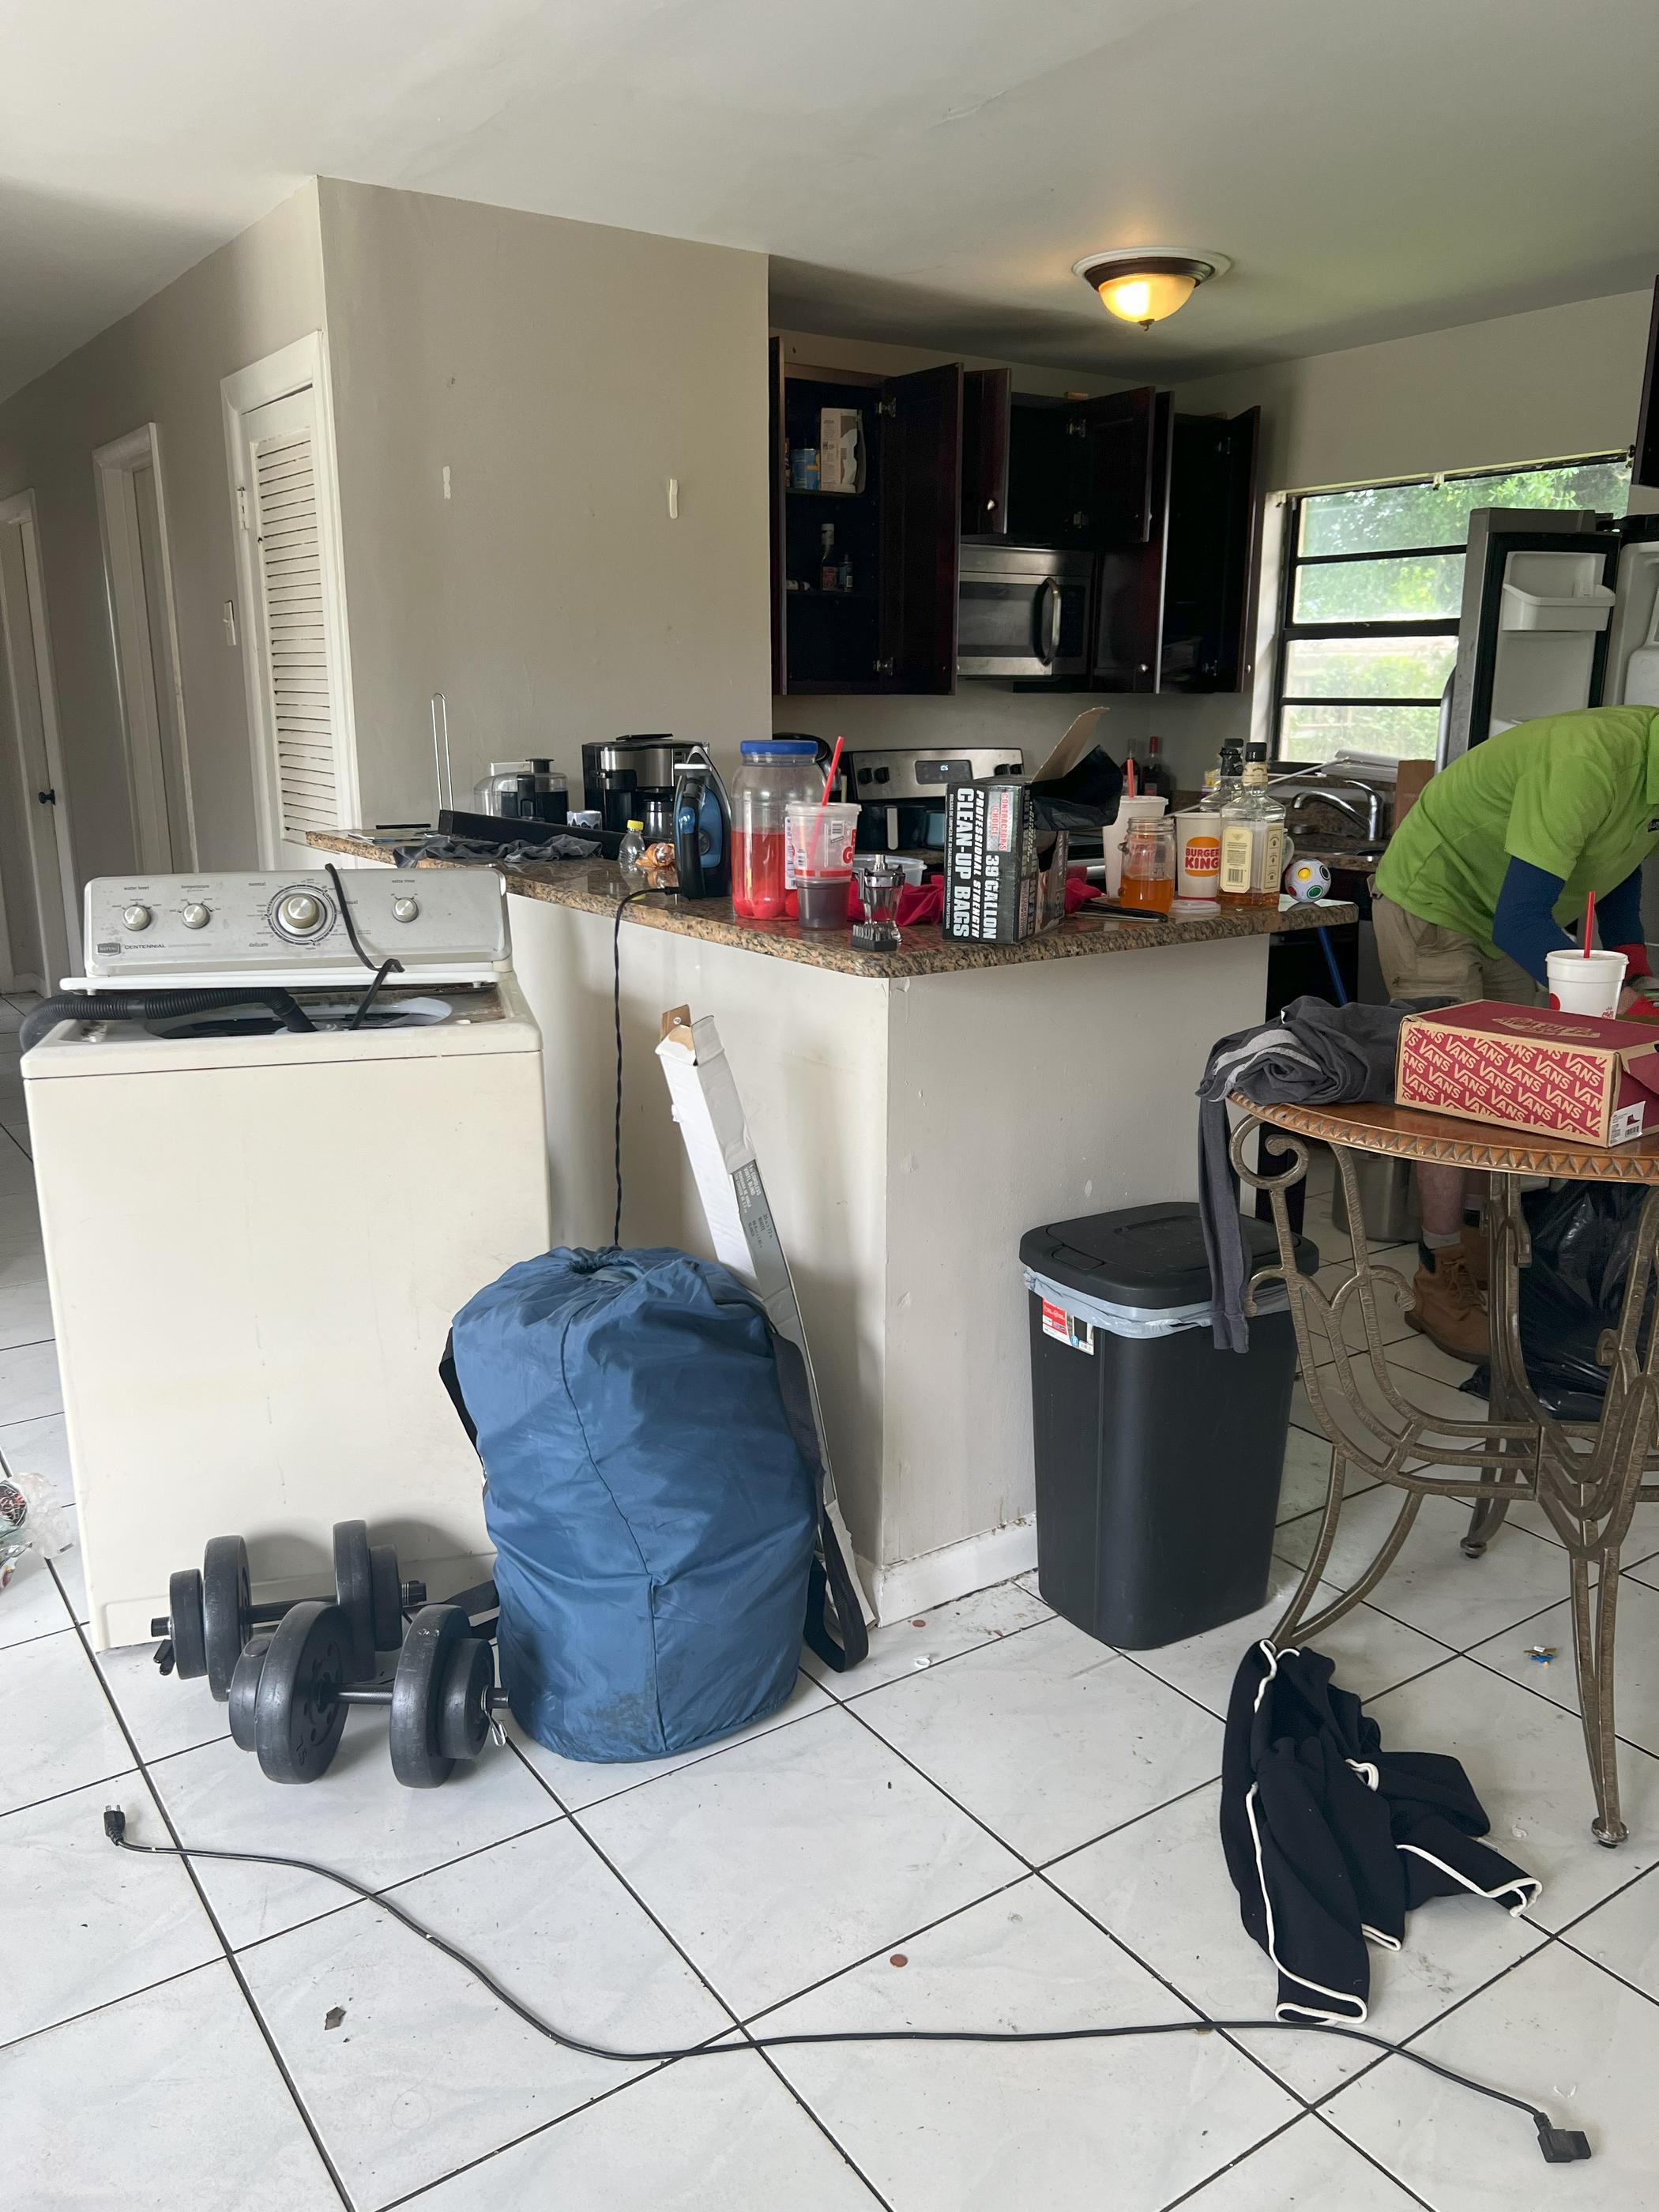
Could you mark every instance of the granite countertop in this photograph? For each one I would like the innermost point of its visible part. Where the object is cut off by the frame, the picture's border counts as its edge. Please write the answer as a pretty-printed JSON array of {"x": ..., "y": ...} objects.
[{"x": 595, "y": 887}]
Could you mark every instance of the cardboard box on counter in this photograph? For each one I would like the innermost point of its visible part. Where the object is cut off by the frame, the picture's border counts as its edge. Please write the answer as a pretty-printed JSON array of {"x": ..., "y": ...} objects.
[
  {"x": 1524, "y": 1067},
  {"x": 1004, "y": 879}
]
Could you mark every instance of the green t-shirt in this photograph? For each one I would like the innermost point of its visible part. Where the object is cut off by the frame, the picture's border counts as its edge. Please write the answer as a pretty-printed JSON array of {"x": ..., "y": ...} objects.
[{"x": 1577, "y": 794}]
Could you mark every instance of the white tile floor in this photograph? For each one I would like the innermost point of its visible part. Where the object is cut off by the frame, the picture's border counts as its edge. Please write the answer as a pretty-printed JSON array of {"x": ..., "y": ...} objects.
[{"x": 995, "y": 1821}]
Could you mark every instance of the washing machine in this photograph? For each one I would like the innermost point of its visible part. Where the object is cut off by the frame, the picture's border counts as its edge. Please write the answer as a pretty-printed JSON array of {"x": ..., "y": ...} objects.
[{"x": 284, "y": 1127}]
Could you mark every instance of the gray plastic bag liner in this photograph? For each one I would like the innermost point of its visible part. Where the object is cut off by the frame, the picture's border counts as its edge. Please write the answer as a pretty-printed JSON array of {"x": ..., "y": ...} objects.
[{"x": 1139, "y": 1320}]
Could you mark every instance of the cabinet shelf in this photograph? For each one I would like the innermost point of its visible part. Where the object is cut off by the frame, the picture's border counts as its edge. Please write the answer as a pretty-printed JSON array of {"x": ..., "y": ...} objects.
[
  {"x": 804, "y": 491},
  {"x": 811, "y": 591}
]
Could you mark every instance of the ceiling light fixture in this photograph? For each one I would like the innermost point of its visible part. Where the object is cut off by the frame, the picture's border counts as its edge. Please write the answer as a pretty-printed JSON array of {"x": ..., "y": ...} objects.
[{"x": 1145, "y": 283}]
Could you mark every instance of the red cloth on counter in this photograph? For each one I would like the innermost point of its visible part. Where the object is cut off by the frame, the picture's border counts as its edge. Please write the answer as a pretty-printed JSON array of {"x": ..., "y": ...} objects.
[{"x": 916, "y": 902}]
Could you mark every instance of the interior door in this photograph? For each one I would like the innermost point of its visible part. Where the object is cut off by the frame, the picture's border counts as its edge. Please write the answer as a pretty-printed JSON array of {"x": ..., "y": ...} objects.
[
  {"x": 39, "y": 889},
  {"x": 294, "y": 640},
  {"x": 921, "y": 499},
  {"x": 1128, "y": 645},
  {"x": 987, "y": 403}
]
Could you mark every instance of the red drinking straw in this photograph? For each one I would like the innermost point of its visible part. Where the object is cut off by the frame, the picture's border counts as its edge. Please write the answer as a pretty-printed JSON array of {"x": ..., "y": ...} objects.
[
  {"x": 834, "y": 762},
  {"x": 1590, "y": 922}
]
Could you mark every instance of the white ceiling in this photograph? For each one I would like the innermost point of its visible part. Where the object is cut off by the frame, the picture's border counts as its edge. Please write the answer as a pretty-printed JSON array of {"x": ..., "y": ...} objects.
[{"x": 925, "y": 169}]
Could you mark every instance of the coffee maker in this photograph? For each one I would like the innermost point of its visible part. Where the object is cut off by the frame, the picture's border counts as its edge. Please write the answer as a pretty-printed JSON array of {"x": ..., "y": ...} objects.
[
  {"x": 903, "y": 791},
  {"x": 619, "y": 772}
]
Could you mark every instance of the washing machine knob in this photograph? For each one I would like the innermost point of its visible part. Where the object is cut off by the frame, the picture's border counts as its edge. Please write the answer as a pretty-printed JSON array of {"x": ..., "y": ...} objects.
[
  {"x": 406, "y": 909},
  {"x": 300, "y": 913},
  {"x": 195, "y": 916},
  {"x": 136, "y": 917}
]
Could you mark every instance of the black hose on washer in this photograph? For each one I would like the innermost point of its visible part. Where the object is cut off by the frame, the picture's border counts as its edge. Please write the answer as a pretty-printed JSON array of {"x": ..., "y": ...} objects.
[{"x": 141, "y": 1005}]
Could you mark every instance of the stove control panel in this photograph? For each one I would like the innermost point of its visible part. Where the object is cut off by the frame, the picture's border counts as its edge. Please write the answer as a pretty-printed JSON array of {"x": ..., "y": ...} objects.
[{"x": 289, "y": 927}]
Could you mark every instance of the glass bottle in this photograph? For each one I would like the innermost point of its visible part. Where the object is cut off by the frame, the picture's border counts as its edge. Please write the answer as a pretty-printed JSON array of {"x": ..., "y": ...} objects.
[
  {"x": 1148, "y": 879},
  {"x": 1252, "y": 841},
  {"x": 827, "y": 559},
  {"x": 629, "y": 853},
  {"x": 1156, "y": 779},
  {"x": 1231, "y": 772}
]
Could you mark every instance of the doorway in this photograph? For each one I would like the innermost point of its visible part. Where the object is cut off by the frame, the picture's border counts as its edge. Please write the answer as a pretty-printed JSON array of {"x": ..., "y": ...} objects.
[
  {"x": 280, "y": 444},
  {"x": 144, "y": 631},
  {"x": 37, "y": 896}
]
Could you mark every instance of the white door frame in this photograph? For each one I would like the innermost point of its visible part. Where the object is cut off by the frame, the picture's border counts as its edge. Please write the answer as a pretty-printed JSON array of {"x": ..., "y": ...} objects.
[
  {"x": 123, "y": 576},
  {"x": 18, "y": 512},
  {"x": 293, "y": 368}
]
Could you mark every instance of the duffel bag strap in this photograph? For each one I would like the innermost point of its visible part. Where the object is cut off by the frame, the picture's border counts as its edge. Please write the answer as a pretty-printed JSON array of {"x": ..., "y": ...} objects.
[
  {"x": 452, "y": 1383},
  {"x": 831, "y": 1598}
]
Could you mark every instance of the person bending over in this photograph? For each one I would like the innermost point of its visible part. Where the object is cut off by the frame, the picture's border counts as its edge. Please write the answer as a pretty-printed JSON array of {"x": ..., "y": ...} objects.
[{"x": 1484, "y": 877}]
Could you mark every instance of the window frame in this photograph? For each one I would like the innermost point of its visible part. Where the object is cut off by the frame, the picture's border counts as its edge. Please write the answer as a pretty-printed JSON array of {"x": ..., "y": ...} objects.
[{"x": 1291, "y": 632}]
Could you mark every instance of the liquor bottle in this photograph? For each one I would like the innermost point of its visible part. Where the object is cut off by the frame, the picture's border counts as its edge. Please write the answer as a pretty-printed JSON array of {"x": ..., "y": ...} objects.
[
  {"x": 1156, "y": 779},
  {"x": 826, "y": 562},
  {"x": 1230, "y": 771},
  {"x": 1252, "y": 841}
]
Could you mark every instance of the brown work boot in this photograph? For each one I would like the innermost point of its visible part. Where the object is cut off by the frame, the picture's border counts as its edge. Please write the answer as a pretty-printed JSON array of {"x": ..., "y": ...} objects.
[
  {"x": 1475, "y": 1252},
  {"x": 1446, "y": 1307}
]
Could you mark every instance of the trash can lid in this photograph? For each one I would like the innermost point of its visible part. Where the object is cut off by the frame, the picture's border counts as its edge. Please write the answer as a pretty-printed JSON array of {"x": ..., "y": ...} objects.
[{"x": 1144, "y": 1255}]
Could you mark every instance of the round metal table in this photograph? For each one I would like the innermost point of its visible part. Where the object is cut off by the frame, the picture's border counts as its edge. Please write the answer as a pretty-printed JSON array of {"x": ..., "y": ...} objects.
[{"x": 1588, "y": 1477}]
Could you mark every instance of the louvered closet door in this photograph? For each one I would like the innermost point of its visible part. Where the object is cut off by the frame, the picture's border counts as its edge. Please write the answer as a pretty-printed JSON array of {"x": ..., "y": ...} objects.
[{"x": 301, "y": 742}]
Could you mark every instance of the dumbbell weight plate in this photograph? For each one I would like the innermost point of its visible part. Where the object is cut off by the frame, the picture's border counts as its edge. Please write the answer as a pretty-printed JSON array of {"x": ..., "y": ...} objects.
[
  {"x": 353, "y": 1593},
  {"x": 417, "y": 1695},
  {"x": 226, "y": 1596},
  {"x": 185, "y": 1623},
  {"x": 297, "y": 1713},
  {"x": 388, "y": 1597},
  {"x": 469, "y": 1676},
  {"x": 244, "y": 1692}
]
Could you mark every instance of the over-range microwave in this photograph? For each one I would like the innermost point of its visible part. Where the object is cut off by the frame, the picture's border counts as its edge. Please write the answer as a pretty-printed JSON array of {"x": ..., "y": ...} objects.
[{"x": 1023, "y": 611}]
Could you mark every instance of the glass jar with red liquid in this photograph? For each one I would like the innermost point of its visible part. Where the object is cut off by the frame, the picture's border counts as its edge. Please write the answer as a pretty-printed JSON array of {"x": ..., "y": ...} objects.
[{"x": 775, "y": 771}]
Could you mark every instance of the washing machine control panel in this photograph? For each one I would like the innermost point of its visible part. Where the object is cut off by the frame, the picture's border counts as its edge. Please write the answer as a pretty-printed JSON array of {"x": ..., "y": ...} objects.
[{"x": 295, "y": 928}]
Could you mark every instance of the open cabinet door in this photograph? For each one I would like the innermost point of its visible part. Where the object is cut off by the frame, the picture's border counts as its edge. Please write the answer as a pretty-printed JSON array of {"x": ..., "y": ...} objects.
[
  {"x": 1210, "y": 566},
  {"x": 1121, "y": 440},
  {"x": 778, "y": 459},
  {"x": 987, "y": 400},
  {"x": 1128, "y": 649},
  {"x": 922, "y": 495},
  {"x": 1644, "y": 465}
]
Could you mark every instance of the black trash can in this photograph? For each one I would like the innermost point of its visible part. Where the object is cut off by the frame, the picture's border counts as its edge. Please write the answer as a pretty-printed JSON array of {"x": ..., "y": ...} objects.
[{"x": 1158, "y": 1457}]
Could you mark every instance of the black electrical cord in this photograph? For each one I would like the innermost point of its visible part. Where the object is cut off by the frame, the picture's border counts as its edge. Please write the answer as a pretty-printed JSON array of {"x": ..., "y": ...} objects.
[
  {"x": 626, "y": 900},
  {"x": 1561, "y": 2146},
  {"x": 387, "y": 967}
]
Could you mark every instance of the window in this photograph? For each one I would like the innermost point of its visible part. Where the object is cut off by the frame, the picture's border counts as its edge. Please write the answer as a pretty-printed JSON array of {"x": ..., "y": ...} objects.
[{"x": 1372, "y": 585}]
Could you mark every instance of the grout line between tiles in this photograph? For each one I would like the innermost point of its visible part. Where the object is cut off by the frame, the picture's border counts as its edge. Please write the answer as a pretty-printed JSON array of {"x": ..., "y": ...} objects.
[
  {"x": 1371, "y": 2160},
  {"x": 57, "y": 1796},
  {"x": 1243, "y": 2158},
  {"x": 108, "y": 2004},
  {"x": 1002, "y": 1636},
  {"x": 277, "y": 2060}
]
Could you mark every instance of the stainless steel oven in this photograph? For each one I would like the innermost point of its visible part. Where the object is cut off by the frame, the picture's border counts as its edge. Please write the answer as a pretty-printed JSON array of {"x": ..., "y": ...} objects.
[{"x": 1023, "y": 611}]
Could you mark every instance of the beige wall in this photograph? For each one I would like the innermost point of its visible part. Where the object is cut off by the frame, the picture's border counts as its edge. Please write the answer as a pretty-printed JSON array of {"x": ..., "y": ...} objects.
[
  {"x": 562, "y": 372},
  {"x": 163, "y": 364}
]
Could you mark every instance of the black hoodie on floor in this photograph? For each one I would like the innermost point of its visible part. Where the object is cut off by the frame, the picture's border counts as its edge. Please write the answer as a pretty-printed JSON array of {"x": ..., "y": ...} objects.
[{"x": 1330, "y": 1840}]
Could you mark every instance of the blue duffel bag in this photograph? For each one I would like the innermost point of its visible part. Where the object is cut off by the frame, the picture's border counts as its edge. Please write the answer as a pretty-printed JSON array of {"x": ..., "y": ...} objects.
[{"x": 652, "y": 1491}]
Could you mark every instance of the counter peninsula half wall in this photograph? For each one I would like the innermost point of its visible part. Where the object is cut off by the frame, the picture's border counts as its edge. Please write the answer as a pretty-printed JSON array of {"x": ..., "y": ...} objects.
[{"x": 913, "y": 1117}]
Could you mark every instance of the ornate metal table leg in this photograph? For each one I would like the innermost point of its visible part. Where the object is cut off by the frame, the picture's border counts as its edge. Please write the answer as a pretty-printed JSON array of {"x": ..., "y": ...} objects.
[
  {"x": 1592, "y": 1653},
  {"x": 1506, "y": 1246}
]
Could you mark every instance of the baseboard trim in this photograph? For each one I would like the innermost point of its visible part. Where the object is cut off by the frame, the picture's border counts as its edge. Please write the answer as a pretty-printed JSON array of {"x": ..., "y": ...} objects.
[{"x": 935, "y": 1577}]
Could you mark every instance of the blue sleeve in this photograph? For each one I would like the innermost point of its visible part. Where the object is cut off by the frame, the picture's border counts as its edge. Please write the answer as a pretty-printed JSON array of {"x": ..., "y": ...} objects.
[
  {"x": 1524, "y": 925},
  {"x": 1619, "y": 914}
]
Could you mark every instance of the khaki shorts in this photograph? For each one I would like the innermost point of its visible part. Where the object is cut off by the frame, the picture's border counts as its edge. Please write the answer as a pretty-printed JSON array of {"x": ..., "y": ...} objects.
[{"x": 1425, "y": 960}]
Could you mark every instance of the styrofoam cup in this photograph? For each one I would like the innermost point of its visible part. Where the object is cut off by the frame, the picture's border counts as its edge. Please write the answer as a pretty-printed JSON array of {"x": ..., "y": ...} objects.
[
  {"x": 1114, "y": 836},
  {"x": 1584, "y": 983}
]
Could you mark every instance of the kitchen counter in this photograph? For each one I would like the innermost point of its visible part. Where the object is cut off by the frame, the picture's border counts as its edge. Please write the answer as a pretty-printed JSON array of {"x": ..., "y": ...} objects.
[
  {"x": 913, "y": 1117},
  {"x": 595, "y": 886}
]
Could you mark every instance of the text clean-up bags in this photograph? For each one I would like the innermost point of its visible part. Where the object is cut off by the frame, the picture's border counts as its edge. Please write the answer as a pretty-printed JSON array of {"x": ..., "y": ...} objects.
[{"x": 654, "y": 1504}]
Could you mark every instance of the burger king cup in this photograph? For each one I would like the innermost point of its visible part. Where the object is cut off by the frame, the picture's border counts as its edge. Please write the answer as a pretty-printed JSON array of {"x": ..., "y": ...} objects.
[
  {"x": 1114, "y": 836},
  {"x": 1585, "y": 982},
  {"x": 1198, "y": 856}
]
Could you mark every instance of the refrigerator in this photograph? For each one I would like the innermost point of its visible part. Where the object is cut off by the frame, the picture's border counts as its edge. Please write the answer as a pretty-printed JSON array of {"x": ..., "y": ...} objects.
[{"x": 1560, "y": 610}]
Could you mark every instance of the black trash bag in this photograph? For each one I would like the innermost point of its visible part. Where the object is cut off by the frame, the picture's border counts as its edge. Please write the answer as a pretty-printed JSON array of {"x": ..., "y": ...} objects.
[
  {"x": 1583, "y": 1236},
  {"x": 1084, "y": 798}
]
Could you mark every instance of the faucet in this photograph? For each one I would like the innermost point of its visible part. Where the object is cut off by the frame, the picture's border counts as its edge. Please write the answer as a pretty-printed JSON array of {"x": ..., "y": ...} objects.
[{"x": 1360, "y": 802}]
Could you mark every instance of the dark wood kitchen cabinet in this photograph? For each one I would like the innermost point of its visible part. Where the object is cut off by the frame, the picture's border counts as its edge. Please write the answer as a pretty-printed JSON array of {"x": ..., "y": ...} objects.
[
  {"x": 1071, "y": 473},
  {"x": 1172, "y": 610},
  {"x": 888, "y": 623}
]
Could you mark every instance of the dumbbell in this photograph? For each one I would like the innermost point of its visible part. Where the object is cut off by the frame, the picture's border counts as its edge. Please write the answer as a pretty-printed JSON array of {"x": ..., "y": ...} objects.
[
  {"x": 290, "y": 1693},
  {"x": 211, "y": 1614}
]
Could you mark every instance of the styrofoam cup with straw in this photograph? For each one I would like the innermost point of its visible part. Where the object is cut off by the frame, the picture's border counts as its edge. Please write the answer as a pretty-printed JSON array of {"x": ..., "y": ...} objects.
[{"x": 1585, "y": 982}]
